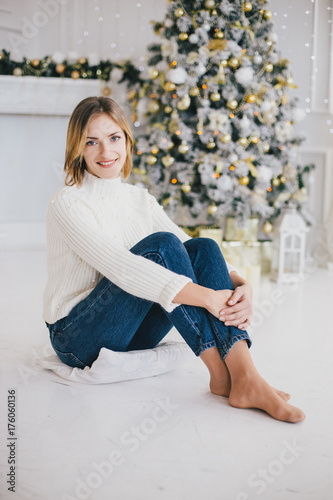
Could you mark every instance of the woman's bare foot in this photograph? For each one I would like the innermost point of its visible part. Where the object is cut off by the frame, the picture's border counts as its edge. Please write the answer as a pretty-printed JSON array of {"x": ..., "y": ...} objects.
[
  {"x": 223, "y": 388},
  {"x": 255, "y": 392}
]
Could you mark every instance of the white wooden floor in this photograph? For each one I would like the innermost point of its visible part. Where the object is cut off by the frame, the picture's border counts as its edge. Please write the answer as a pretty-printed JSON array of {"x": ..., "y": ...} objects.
[{"x": 167, "y": 437}]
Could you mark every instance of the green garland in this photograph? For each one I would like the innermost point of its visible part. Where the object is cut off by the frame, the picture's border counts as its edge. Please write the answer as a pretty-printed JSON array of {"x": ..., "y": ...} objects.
[{"x": 46, "y": 67}]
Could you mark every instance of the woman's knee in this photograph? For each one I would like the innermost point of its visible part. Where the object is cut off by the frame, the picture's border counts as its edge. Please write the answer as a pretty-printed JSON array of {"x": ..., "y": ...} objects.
[
  {"x": 205, "y": 246},
  {"x": 160, "y": 242}
]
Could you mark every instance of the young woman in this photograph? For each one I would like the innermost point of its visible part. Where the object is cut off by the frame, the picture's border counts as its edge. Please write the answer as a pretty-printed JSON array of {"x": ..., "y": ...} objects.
[{"x": 121, "y": 273}]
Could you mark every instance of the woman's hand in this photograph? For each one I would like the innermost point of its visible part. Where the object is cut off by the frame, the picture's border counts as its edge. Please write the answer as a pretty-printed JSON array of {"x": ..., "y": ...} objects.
[
  {"x": 238, "y": 311},
  {"x": 218, "y": 299}
]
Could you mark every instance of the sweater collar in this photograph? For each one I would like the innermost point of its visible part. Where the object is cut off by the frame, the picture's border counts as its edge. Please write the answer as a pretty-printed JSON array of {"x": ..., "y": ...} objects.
[{"x": 99, "y": 186}]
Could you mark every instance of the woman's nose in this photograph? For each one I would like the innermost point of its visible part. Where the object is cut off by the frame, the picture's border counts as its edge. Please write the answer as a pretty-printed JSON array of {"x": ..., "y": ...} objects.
[{"x": 106, "y": 147}]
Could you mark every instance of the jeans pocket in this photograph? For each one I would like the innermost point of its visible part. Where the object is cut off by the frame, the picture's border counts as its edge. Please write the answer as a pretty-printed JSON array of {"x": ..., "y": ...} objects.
[{"x": 70, "y": 359}]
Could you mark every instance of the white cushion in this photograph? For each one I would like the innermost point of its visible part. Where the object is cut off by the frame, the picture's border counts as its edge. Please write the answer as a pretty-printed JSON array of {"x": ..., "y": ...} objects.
[{"x": 112, "y": 366}]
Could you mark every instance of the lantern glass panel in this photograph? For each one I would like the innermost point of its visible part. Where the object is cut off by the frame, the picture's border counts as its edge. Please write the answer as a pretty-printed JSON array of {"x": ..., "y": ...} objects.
[
  {"x": 297, "y": 241},
  {"x": 288, "y": 242},
  {"x": 292, "y": 262}
]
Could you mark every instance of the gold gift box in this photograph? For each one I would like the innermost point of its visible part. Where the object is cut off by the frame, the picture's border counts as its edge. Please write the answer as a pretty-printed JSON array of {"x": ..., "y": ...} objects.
[{"x": 247, "y": 233}]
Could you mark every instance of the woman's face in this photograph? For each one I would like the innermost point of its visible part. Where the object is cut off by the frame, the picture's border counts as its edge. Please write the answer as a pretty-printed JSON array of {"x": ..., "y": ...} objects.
[{"x": 105, "y": 149}]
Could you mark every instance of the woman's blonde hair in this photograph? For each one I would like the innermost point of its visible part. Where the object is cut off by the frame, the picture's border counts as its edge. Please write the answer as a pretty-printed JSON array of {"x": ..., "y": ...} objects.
[{"x": 75, "y": 164}]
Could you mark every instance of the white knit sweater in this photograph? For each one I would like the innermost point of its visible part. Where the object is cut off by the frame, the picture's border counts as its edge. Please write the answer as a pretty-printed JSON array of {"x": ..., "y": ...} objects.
[{"x": 90, "y": 231}]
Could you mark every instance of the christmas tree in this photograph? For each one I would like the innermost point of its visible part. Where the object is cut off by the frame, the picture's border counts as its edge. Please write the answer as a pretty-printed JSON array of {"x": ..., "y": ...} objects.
[{"x": 215, "y": 122}]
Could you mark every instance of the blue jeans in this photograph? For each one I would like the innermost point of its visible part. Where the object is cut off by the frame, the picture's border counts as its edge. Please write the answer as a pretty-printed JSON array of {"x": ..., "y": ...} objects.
[{"x": 112, "y": 318}]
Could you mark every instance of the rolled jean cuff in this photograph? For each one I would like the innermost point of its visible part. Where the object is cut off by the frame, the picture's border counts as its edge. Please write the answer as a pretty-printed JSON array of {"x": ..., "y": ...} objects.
[{"x": 236, "y": 338}]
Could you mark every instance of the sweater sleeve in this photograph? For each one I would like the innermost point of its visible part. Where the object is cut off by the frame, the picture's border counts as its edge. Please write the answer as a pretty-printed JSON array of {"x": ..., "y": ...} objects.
[
  {"x": 162, "y": 222},
  {"x": 80, "y": 230}
]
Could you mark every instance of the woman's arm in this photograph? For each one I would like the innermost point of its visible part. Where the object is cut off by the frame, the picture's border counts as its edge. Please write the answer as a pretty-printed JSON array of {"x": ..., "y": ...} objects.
[{"x": 197, "y": 295}]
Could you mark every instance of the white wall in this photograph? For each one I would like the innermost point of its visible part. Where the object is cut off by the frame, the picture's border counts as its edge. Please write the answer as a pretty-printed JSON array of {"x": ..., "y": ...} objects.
[{"x": 32, "y": 146}]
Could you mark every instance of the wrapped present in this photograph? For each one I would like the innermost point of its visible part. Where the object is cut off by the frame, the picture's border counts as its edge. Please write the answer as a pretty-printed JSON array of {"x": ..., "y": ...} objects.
[
  {"x": 266, "y": 251},
  {"x": 215, "y": 233},
  {"x": 246, "y": 257},
  {"x": 235, "y": 232}
]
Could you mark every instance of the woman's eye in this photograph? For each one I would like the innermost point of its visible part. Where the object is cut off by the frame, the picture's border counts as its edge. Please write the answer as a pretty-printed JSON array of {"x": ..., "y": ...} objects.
[
  {"x": 115, "y": 138},
  {"x": 90, "y": 143}
]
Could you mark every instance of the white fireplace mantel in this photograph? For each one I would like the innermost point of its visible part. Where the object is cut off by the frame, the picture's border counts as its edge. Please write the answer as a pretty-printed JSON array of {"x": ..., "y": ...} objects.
[{"x": 44, "y": 95}]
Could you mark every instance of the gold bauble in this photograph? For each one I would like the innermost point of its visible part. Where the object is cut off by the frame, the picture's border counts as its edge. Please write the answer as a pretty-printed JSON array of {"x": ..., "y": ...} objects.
[
  {"x": 224, "y": 63},
  {"x": 247, "y": 6},
  {"x": 212, "y": 209},
  {"x": 179, "y": 12},
  {"x": 153, "y": 73},
  {"x": 215, "y": 96},
  {"x": 267, "y": 227},
  {"x": 151, "y": 160},
  {"x": 35, "y": 63},
  {"x": 82, "y": 60},
  {"x": 168, "y": 160},
  {"x": 169, "y": 86},
  {"x": 234, "y": 62},
  {"x": 282, "y": 179},
  {"x": 183, "y": 148},
  {"x": 211, "y": 145},
  {"x": 17, "y": 72},
  {"x": 131, "y": 95},
  {"x": 267, "y": 14},
  {"x": 243, "y": 181},
  {"x": 106, "y": 91},
  {"x": 275, "y": 182},
  {"x": 254, "y": 139},
  {"x": 1, "y": 56},
  {"x": 232, "y": 104},
  {"x": 184, "y": 102},
  {"x": 243, "y": 141},
  {"x": 186, "y": 188},
  {"x": 226, "y": 138},
  {"x": 214, "y": 12},
  {"x": 210, "y": 4},
  {"x": 183, "y": 36},
  {"x": 60, "y": 68},
  {"x": 251, "y": 99},
  {"x": 168, "y": 109},
  {"x": 219, "y": 35},
  {"x": 75, "y": 74},
  {"x": 153, "y": 107},
  {"x": 194, "y": 91},
  {"x": 269, "y": 67}
]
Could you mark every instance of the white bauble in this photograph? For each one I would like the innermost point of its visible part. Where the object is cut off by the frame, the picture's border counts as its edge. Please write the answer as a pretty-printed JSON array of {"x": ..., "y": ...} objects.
[
  {"x": 193, "y": 38},
  {"x": 72, "y": 56},
  {"x": 265, "y": 106},
  {"x": 168, "y": 23},
  {"x": 206, "y": 26},
  {"x": 93, "y": 59},
  {"x": 177, "y": 75},
  {"x": 245, "y": 125},
  {"x": 200, "y": 69},
  {"x": 299, "y": 114},
  {"x": 58, "y": 57},
  {"x": 225, "y": 183},
  {"x": 257, "y": 59},
  {"x": 274, "y": 37},
  {"x": 264, "y": 174},
  {"x": 233, "y": 157},
  {"x": 244, "y": 76}
]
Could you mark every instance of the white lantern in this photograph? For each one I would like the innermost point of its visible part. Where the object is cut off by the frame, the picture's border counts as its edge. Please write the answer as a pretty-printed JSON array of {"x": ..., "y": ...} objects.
[{"x": 289, "y": 243}]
